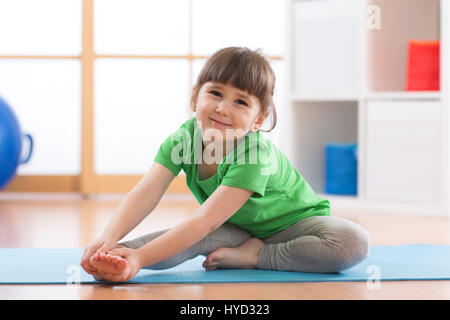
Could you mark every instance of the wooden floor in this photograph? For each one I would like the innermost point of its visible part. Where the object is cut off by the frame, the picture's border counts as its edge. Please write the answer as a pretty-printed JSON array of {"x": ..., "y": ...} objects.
[{"x": 68, "y": 221}]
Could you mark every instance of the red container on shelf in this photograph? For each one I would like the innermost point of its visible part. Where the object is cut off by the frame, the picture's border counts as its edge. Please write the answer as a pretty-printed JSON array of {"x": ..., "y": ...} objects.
[{"x": 423, "y": 66}]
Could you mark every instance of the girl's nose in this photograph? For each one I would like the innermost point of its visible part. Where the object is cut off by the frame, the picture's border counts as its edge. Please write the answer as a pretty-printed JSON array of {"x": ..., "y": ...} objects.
[{"x": 222, "y": 107}]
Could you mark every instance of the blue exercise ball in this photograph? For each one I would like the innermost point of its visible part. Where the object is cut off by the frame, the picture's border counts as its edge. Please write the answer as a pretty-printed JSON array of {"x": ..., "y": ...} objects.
[{"x": 11, "y": 138}]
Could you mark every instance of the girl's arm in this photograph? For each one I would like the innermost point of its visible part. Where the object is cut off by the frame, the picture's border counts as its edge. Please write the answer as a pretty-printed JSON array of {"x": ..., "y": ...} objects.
[
  {"x": 139, "y": 202},
  {"x": 220, "y": 206}
]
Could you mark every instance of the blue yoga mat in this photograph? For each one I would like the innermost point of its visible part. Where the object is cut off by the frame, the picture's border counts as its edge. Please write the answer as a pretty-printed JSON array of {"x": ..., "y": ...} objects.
[{"x": 61, "y": 266}]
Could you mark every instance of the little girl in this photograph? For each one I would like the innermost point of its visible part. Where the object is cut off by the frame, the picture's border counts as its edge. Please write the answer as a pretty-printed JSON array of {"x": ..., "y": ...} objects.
[{"x": 256, "y": 210}]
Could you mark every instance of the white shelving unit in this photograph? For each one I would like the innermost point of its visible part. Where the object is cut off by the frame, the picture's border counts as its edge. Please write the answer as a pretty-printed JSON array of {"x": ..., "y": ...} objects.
[{"x": 347, "y": 84}]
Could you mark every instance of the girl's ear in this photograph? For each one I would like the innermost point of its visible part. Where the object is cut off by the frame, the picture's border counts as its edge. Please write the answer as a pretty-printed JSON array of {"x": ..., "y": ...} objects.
[
  {"x": 260, "y": 121},
  {"x": 193, "y": 100}
]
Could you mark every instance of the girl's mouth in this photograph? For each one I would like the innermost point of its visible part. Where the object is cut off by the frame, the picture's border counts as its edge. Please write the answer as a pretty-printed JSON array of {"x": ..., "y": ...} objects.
[{"x": 219, "y": 124}]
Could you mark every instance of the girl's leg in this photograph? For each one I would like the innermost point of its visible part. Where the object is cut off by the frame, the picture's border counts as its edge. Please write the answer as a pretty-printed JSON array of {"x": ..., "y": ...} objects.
[
  {"x": 227, "y": 235},
  {"x": 325, "y": 244}
]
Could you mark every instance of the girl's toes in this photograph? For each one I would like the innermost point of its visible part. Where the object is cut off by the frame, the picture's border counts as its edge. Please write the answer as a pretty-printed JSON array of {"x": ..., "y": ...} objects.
[
  {"x": 210, "y": 268},
  {"x": 121, "y": 264},
  {"x": 209, "y": 260},
  {"x": 210, "y": 265}
]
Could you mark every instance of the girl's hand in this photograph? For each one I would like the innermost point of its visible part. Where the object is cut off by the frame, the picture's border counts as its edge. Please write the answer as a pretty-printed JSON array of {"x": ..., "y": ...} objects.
[
  {"x": 102, "y": 244},
  {"x": 132, "y": 268}
]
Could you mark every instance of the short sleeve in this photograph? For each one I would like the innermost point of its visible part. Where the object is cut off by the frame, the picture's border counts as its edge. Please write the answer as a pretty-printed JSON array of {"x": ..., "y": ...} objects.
[
  {"x": 173, "y": 151},
  {"x": 249, "y": 176}
]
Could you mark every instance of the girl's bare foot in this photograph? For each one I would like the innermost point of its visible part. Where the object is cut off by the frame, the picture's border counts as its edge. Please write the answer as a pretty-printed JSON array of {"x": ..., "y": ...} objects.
[
  {"x": 107, "y": 263},
  {"x": 243, "y": 257}
]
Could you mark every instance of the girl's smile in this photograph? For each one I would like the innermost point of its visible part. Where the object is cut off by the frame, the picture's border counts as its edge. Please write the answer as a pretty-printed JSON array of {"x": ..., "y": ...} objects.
[{"x": 220, "y": 124}]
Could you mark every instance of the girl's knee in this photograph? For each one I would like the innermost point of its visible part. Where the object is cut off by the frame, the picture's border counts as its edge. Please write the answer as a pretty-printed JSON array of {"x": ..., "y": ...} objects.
[
  {"x": 354, "y": 247},
  {"x": 348, "y": 244},
  {"x": 364, "y": 240}
]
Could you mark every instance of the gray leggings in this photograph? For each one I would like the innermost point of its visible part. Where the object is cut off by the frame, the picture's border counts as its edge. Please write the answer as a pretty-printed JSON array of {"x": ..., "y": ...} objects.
[{"x": 324, "y": 244}]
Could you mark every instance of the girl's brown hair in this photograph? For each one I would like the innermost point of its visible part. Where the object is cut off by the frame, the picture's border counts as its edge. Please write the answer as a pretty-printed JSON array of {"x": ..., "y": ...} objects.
[{"x": 244, "y": 69}]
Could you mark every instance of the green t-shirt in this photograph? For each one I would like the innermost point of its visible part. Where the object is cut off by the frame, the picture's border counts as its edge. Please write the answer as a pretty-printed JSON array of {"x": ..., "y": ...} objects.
[{"x": 280, "y": 196}]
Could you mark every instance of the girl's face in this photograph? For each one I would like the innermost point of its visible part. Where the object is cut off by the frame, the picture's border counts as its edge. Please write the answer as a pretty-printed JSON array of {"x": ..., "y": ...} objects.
[{"x": 226, "y": 112}]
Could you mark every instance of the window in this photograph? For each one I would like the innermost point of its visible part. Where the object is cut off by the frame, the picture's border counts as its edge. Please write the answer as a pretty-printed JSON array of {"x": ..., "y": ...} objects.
[{"x": 101, "y": 83}]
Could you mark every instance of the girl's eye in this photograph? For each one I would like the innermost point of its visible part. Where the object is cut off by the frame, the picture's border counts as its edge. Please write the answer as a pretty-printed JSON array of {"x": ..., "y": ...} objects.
[
  {"x": 214, "y": 93},
  {"x": 242, "y": 102}
]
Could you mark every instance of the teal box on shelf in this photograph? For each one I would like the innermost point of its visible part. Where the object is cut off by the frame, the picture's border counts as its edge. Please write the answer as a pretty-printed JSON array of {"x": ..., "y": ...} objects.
[{"x": 341, "y": 163}]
